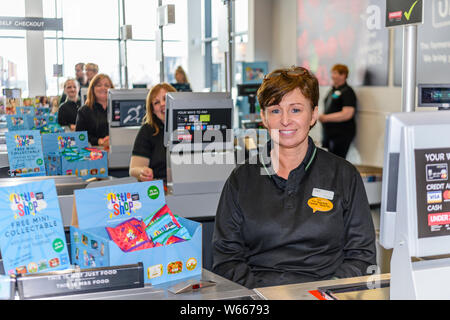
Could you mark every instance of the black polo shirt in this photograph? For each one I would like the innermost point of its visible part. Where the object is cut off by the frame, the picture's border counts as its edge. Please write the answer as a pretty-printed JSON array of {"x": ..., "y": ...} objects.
[
  {"x": 93, "y": 120},
  {"x": 267, "y": 231},
  {"x": 152, "y": 147},
  {"x": 336, "y": 99},
  {"x": 67, "y": 112}
]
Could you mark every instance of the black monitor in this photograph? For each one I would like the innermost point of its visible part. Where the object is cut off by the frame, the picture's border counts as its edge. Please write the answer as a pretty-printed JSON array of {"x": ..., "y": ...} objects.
[
  {"x": 182, "y": 87},
  {"x": 199, "y": 120},
  {"x": 139, "y": 86},
  {"x": 249, "y": 90},
  {"x": 126, "y": 107},
  {"x": 434, "y": 95},
  {"x": 127, "y": 113}
]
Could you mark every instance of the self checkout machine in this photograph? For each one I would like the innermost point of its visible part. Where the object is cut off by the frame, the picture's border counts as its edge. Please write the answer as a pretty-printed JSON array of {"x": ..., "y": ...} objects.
[
  {"x": 199, "y": 139},
  {"x": 126, "y": 110},
  {"x": 252, "y": 119},
  {"x": 415, "y": 202}
]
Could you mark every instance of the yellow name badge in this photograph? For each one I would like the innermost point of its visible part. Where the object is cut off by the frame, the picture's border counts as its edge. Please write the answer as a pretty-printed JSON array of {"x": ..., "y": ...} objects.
[{"x": 320, "y": 204}]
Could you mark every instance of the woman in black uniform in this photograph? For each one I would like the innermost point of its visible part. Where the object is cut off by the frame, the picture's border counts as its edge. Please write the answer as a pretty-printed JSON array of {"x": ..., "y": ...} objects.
[
  {"x": 295, "y": 213},
  {"x": 92, "y": 117},
  {"x": 67, "y": 113},
  {"x": 148, "y": 160}
]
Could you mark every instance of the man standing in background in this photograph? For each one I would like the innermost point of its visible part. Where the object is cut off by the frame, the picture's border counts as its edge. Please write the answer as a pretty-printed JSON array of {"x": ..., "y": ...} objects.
[
  {"x": 91, "y": 72},
  {"x": 79, "y": 74}
]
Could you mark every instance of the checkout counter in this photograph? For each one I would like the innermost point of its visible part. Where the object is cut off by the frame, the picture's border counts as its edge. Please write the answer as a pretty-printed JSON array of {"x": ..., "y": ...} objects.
[
  {"x": 126, "y": 110},
  {"x": 193, "y": 192}
]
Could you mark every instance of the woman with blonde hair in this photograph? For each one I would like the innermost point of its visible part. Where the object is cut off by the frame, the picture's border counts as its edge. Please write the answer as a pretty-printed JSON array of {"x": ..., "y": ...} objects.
[
  {"x": 92, "y": 117},
  {"x": 67, "y": 114},
  {"x": 148, "y": 159}
]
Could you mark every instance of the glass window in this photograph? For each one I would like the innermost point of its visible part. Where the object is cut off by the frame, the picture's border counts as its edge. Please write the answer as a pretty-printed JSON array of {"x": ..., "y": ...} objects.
[
  {"x": 177, "y": 31},
  {"x": 16, "y": 10},
  {"x": 13, "y": 10},
  {"x": 141, "y": 14},
  {"x": 105, "y": 53},
  {"x": 90, "y": 19},
  {"x": 142, "y": 64},
  {"x": 216, "y": 6},
  {"x": 13, "y": 64},
  {"x": 240, "y": 16},
  {"x": 218, "y": 68},
  {"x": 54, "y": 83},
  {"x": 175, "y": 54}
]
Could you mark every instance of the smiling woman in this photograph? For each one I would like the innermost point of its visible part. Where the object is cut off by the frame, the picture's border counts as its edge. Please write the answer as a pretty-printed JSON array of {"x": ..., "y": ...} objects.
[
  {"x": 92, "y": 117},
  {"x": 303, "y": 215},
  {"x": 148, "y": 159}
]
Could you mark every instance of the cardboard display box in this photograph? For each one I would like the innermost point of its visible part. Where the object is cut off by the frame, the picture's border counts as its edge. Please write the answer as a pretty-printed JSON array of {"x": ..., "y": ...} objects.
[
  {"x": 54, "y": 145},
  {"x": 98, "y": 208}
]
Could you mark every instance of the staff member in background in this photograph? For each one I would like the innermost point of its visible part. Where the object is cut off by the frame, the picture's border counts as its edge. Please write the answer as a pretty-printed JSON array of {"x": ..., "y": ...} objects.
[
  {"x": 338, "y": 120},
  {"x": 182, "y": 82},
  {"x": 79, "y": 74},
  {"x": 92, "y": 117},
  {"x": 148, "y": 160},
  {"x": 91, "y": 71},
  {"x": 67, "y": 114},
  {"x": 301, "y": 215}
]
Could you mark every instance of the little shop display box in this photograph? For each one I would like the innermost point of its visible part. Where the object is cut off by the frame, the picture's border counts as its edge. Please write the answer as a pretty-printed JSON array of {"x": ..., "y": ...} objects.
[
  {"x": 68, "y": 154},
  {"x": 99, "y": 211}
]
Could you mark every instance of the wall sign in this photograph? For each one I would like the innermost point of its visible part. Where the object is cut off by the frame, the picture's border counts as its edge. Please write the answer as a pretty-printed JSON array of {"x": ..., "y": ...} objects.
[
  {"x": 403, "y": 12},
  {"x": 31, "y": 23},
  {"x": 351, "y": 32}
]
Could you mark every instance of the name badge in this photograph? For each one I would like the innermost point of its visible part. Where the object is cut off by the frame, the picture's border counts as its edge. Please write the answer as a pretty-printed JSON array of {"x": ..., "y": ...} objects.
[{"x": 320, "y": 193}]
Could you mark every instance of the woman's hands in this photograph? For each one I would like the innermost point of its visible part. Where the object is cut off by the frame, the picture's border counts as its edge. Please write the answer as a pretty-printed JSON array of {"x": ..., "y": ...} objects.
[
  {"x": 146, "y": 174},
  {"x": 104, "y": 142}
]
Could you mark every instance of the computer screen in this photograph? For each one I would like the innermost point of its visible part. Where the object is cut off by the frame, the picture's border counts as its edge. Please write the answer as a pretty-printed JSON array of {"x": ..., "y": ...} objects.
[
  {"x": 434, "y": 95},
  {"x": 182, "y": 87},
  {"x": 127, "y": 113},
  {"x": 189, "y": 122},
  {"x": 245, "y": 90},
  {"x": 200, "y": 120}
]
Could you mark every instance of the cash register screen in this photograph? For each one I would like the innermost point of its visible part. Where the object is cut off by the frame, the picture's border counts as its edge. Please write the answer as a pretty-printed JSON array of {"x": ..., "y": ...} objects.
[
  {"x": 433, "y": 194},
  {"x": 189, "y": 123},
  {"x": 127, "y": 113},
  {"x": 434, "y": 96}
]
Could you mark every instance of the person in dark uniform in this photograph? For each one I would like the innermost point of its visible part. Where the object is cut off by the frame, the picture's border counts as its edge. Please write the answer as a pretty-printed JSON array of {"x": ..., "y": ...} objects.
[
  {"x": 92, "y": 117},
  {"x": 148, "y": 159},
  {"x": 67, "y": 113},
  {"x": 338, "y": 120},
  {"x": 294, "y": 213}
]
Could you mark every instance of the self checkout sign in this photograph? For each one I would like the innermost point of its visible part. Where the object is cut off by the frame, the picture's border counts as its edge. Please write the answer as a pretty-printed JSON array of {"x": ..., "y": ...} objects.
[{"x": 403, "y": 12}]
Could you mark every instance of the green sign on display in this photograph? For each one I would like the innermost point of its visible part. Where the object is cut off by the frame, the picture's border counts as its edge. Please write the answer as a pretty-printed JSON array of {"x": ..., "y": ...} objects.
[{"x": 403, "y": 12}]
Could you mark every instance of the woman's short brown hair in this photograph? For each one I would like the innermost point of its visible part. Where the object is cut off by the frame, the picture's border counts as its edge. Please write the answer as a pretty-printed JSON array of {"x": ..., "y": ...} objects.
[
  {"x": 341, "y": 69},
  {"x": 90, "y": 99},
  {"x": 148, "y": 118},
  {"x": 282, "y": 81}
]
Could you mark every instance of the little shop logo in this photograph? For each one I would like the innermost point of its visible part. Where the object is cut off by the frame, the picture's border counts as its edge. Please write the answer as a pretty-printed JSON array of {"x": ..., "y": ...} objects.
[
  {"x": 27, "y": 203},
  {"x": 66, "y": 142},
  {"x": 123, "y": 203},
  {"x": 23, "y": 141}
]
